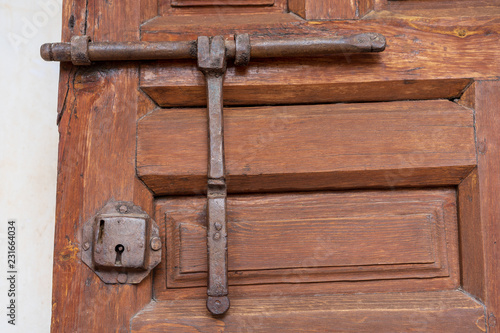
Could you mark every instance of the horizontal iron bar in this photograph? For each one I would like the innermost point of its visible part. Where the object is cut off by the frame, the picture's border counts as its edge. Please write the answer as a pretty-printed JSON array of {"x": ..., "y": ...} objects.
[{"x": 259, "y": 48}]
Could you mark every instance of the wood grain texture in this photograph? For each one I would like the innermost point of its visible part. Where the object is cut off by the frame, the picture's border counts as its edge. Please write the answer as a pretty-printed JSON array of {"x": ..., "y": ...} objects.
[
  {"x": 166, "y": 94},
  {"x": 418, "y": 49},
  {"x": 149, "y": 9},
  {"x": 205, "y": 9},
  {"x": 443, "y": 8},
  {"x": 330, "y": 10},
  {"x": 344, "y": 236},
  {"x": 486, "y": 103},
  {"x": 471, "y": 237},
  {"x": 98, "y": 114},
  {"x": 364, "y": 7},
  {"x": 221, "y": 2},
  {"x": 311, "y": 147},
  {"x": 449, "y": 311},
  {"x": 472, "y": 246}
]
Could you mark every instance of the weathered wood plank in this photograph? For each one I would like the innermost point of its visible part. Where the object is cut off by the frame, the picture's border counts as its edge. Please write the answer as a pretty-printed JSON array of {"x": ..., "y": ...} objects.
[
  {"x": 443, "y": 8},
  {"x": 98, "y": 114},
  {"x": 168, "y": 95},
  {"x": 189, "y": 3},
  {"x": 330, "y": 10},
  {"x": 311, "y": 147},
  {"x": 204, "y": 9},
  {"x": 448, "y": 311},
  {"x": 471, "y": 237},
  {"x": 486, "y": 103},
  {"x": 418, "y": 49},
  {"x": 340, "y": 236}
]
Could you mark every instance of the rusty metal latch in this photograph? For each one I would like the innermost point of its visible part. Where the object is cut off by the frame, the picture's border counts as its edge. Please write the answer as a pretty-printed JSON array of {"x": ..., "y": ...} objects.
[
  {"x": 212, "y": 54},
  {"x": 121, "y": 243}
]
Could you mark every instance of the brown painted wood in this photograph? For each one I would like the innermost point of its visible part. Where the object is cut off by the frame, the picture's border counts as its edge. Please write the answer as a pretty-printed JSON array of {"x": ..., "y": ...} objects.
[
  {"x": 435, "y": 50},
  {"x": 168, "y": 94},
  {"x": 485, "y": 97},
  {"x": 205, "y": 9},
  {"x": 443, "y": 8},
  {"x": 327, "y": 10},
  {"x": 302, "y": 237},
  {"x": 449, "y": 311},
  {"x": 149, "y": 9},
  {"x": 471, "y": 237},
  {"x": 311, "y": 147},
  {"x": 88, "y": 178},
  {"x": 221, "y": 2},
  {"x": 97, "y": 114}
]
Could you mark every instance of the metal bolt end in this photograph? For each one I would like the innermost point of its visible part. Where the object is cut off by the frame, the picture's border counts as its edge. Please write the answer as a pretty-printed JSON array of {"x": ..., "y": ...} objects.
[
  {"x": 46, "y": 52},
  {"x": 122, "y": 278},
  {"x": 218, "y": 305},
  {"x": 123, "y": 209},
  {"x": 86, "y": 246},
  {"x": 155, "y": 243},
  {"x": 218, "y": 226}
]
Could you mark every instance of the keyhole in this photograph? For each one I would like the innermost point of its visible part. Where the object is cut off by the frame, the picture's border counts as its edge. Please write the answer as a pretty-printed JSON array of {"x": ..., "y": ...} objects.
[{"x": 119, "y": 250}]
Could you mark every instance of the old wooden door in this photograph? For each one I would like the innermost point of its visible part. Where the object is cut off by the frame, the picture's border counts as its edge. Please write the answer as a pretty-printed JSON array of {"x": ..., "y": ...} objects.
[{"x": 363, "y": 189}]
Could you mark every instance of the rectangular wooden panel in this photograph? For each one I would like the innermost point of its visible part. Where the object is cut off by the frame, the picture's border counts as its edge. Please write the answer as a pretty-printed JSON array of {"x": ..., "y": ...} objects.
[
  {"x": 447, "y": 311},
  {"x": 311, "y": 147},
  {"x": 180, "y": 3},
  {"x": 345, "y": 236},
  {"x": 330, "y": 10}
]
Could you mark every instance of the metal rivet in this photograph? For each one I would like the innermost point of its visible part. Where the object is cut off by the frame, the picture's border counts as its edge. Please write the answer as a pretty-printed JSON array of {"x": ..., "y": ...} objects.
[
  {"x": 218, "y": 226},
  {"x": 155, "y": 243},
  {"x": 98, "y": 250},
  {"x": 122, "y": 278},
  {"x": 123, "y": 209},
  {"x": 217, "y": 236},
  {"x": 86, "y": 246}
]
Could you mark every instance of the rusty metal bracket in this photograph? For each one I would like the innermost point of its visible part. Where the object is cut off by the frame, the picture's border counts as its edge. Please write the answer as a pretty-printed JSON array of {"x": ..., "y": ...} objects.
[
  {"x": 80, "y": 50},
  {"x": 121, "y": 243}
]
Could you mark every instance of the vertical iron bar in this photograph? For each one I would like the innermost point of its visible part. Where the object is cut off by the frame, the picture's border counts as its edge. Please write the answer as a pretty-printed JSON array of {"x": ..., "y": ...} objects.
[{"x": 212, "y": 62}]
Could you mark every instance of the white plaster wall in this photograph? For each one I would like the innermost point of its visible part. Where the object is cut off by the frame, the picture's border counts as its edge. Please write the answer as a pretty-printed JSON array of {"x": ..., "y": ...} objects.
[{"x": 28, "y": 156}]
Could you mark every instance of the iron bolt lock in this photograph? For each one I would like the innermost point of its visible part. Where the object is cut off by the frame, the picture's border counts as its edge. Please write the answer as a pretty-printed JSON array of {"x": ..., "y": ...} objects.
[{"x": 121, "y": 243}]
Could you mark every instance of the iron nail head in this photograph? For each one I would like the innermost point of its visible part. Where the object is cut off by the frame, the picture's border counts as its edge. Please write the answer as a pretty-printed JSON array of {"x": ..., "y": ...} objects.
[
  {"x": 122, "y": 278},
  {"x": 155, "y": 243}
]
